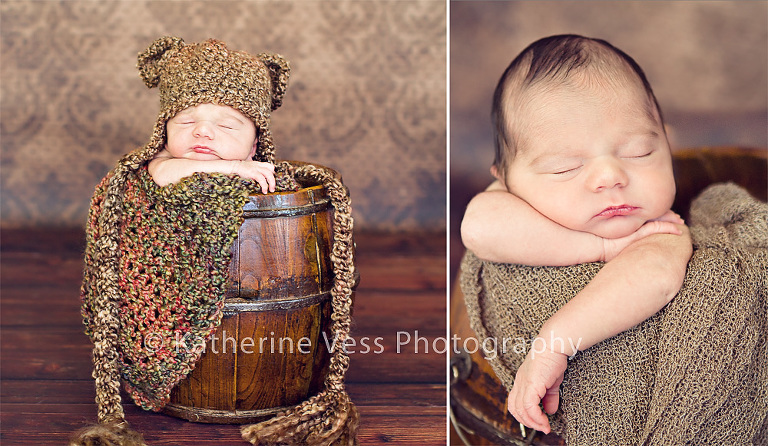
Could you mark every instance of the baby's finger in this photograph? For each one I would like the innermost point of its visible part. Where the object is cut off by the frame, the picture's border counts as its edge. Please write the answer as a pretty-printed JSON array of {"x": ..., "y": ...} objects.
[
  {"x": 527, "y": 409},
  {"x": 535, "y": 418},
  {"x": 551, "y": 400},
  {"x": 514, "y": 405},
  {"x": 658, "y": 227},
  {"x": 271, "y": 181},
  {"x": 264, "y": 183},
  {"x": 671, "y": 217}
]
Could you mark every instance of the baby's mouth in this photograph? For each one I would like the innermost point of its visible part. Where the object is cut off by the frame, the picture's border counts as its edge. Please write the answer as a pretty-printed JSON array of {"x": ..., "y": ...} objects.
[
  {"x": 202, "y": 149},
  {"x": 617, "y": 211}
]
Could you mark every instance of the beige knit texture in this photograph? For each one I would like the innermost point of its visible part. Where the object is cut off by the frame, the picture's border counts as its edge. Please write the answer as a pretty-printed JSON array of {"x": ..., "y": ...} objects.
[{"x": 694, "y": 373}]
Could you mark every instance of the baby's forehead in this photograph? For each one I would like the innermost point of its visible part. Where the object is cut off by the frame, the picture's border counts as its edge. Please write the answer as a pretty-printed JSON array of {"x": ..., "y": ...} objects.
[
  {"x": 548, "y": 96},
  {"x": 555, "y": 117}
]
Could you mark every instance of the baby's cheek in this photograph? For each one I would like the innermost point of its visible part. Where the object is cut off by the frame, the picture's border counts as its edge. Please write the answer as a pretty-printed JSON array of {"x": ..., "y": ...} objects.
[{"x": 664, "y": 197}]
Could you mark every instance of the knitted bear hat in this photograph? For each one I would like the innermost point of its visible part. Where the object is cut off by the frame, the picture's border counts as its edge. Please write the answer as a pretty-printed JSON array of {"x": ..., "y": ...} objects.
[{"x": 208, "y": 72}]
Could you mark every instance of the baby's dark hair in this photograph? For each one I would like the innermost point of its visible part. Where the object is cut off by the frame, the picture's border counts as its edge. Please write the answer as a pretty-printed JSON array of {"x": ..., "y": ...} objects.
[{"x": 555, "y": 60}]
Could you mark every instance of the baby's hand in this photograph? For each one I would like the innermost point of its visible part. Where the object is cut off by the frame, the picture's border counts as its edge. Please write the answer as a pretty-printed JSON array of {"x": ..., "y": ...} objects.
[
  {"x": 538, "y": 380},
  {"x": 263, "y": 173},
  {"x": 666, "y": 224}
]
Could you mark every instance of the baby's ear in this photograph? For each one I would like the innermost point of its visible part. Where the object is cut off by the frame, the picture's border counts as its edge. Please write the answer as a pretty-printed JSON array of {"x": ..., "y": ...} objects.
[
  {"x": 495, "y": 173},
  {"x": 279, "y": 71},
  {"x": 150, "y": 59},
  {"x": 255, "y": 147}
]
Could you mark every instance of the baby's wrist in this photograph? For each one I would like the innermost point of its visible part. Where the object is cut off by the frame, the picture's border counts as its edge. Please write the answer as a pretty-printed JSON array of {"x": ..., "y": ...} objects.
[
  {"x": 234, "y": 167},
  {"x": 602, "y": 246},
  {"x": 551, "y": 339}
]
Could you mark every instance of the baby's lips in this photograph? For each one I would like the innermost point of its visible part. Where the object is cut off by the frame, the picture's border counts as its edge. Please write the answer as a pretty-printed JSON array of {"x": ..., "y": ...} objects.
[{"x": 202, "y": 149}]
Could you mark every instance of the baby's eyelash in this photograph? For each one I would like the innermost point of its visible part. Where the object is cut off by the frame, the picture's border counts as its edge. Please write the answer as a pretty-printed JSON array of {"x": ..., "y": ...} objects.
[
  {"x": 561, "y": 172},
  {"x": 645, "y": 155}
]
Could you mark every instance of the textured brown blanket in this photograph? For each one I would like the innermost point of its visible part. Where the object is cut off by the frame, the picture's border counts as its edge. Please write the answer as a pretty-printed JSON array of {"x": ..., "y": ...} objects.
[{"x": 694, "y": 373}]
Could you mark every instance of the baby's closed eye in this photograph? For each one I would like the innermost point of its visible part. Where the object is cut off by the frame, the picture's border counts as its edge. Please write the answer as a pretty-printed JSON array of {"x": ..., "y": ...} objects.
[
  {"x": 642, "y": 155},
  {"x": 228, "y": 125},
  {"x": 637, "y": 152},
  {"x": 566, "y": 170}
]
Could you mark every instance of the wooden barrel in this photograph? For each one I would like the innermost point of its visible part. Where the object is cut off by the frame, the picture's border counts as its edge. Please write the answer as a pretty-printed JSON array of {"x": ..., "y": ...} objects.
[
  {"x": 477, "y": 397},
  {"x": 271, "y": 350}
]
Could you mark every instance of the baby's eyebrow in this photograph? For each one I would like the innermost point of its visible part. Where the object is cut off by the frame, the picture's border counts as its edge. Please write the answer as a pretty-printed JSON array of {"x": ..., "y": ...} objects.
[
  {"x": 649, "y": 133},
  {"x": 231, "y": 119},
  {"x": 559, "y": 155}
]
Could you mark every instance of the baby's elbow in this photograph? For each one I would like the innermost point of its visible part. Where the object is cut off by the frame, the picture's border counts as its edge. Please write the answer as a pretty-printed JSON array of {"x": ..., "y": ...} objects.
[
  {"x": 157, "y": 169},
  {"x": 469, "y": 234},
  {"x": 474, "y": 236},
  {"x": 668, "y": 271}
]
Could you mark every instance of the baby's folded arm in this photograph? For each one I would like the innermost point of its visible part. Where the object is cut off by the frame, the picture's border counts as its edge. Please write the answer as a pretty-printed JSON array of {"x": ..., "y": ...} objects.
[
  {"x": 166, "y": 170},
  {"x": 500, "y": 227},
  {"x": 635, "y": 285}
]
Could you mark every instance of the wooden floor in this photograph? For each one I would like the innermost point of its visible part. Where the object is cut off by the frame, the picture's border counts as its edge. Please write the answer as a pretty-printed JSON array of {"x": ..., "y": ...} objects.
[{"x": 46, "y": 390}]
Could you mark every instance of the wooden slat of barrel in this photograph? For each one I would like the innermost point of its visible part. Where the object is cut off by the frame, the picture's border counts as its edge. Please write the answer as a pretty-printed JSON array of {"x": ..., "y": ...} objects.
[
  {"x": 279, "y": 252},
  {"x": 205, "y": 388},
  {"x": 284, "y": 375},
  {"x": 697, "y": 168}
]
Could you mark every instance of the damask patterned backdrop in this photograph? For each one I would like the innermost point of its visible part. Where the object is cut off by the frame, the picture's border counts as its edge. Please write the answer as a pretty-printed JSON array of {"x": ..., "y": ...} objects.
[{"x": 367, "y": 97}]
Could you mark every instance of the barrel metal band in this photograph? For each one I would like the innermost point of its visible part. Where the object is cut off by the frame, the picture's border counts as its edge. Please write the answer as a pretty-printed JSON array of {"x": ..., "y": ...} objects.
[
  {"x": 234, "y": 306},
  {"x": 318, "y": 201},
  {"x": 287, "y": 212}
]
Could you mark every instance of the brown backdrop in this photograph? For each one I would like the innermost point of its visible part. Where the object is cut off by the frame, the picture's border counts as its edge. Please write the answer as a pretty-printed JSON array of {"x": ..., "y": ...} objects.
[{"x": 366, "y": 96}]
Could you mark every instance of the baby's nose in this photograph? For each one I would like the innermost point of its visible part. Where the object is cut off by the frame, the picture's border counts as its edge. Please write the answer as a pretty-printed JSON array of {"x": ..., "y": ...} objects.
[
  {"x": 203, "y": 129},
  {"x": 607, "y": 174}
]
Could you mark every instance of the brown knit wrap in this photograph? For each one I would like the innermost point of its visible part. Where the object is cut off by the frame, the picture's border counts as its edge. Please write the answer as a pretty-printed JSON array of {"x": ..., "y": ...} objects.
[
  {"x": 189, "y": 75},
  {"x": 694, "y": 373}
]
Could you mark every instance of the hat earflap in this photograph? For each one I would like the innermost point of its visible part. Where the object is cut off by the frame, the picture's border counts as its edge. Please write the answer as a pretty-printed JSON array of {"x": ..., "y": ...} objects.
[{"x": 265, "y": 150}]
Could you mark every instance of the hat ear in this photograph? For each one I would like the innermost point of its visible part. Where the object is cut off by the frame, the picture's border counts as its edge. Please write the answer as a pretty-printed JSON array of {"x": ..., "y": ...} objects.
[
  {"x": 279, "y": 71},
  {"x": 149, "y": 60}
]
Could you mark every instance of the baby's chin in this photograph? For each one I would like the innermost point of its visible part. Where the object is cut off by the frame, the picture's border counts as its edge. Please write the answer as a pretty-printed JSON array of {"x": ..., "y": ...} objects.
[
  {"x": 617, "y": 227},
  {"x": 201, "y": 156}
]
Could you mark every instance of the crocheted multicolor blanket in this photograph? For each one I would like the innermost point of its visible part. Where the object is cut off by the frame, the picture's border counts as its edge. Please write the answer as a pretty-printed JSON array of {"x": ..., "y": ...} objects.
[
  {"x": 175, "y": 251},
  {"x": 694, "y": 373}
]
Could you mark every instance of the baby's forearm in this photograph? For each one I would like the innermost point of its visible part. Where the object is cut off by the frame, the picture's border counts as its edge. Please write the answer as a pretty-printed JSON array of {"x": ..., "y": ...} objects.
[
  {"x": 635, "y": 285},
  {"x": 500, "y": 227},
  {"x": 170, "y": 170}
]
